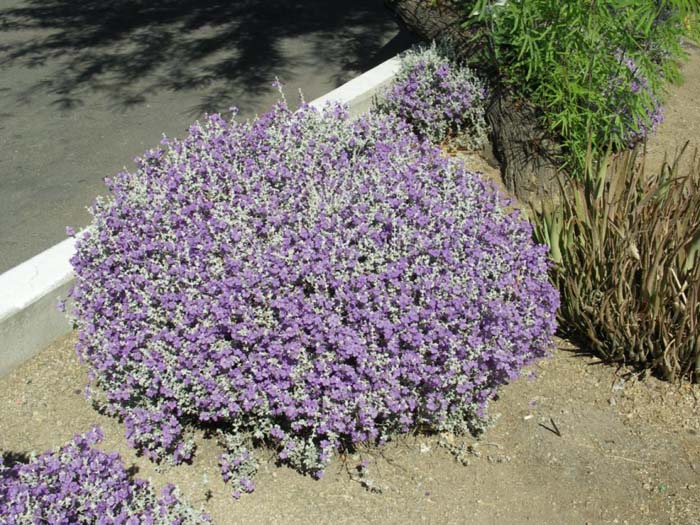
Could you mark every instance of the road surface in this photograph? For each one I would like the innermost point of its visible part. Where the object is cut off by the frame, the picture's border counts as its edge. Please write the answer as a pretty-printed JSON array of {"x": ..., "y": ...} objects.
[{"x": 85, "y": 86}]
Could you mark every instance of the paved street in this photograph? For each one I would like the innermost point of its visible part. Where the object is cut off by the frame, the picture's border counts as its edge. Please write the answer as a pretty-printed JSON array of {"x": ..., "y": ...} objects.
[{"x": 87, "y": 85}]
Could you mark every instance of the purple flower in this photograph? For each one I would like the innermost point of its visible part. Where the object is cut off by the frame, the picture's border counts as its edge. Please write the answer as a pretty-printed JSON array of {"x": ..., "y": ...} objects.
[
  {"x": 630, "y": 81},
  {"x": 78, "y": 483},
  {"x": 440, "y": 99}
]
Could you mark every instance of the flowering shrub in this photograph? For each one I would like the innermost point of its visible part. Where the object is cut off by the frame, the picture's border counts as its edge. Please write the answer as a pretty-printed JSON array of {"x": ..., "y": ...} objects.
[
  {"x": 307, "y": 281},
  {"x": 439, "y": 98},
  {"x": 629, "y": 82},
  {"x": 78, "y": 483},
  {"x": 564, "y": 58}
]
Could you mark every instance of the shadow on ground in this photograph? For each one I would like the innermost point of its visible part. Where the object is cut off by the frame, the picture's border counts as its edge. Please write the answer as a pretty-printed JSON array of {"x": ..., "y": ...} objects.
[
  {"x": 10, "y": 459},
  {"x": 130, "y": 49}
]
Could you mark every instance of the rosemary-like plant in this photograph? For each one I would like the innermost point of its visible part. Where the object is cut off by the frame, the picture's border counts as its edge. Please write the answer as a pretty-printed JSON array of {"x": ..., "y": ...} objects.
[{"x": 596, "y": 68}]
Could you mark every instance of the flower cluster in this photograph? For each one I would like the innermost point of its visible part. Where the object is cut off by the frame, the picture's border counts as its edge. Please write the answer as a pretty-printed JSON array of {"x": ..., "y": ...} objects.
[
  {"x": 631, "y": 82},
  {"x": 78, "y": 483},
  {"x": 305, "y": 280},
  {"x": 237, "y": 464},
  {"x": 439, "y": 98}
]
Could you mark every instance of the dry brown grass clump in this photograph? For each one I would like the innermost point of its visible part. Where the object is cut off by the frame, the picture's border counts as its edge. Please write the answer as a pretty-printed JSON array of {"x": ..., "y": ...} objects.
[{"x": 625, "y": 245}]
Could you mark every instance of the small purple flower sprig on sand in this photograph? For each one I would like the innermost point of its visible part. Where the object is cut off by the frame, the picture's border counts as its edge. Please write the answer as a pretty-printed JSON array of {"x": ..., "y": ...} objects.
[
  {"x": 307, "y": 281},
  {"x": 80, "y": 484},
  {"x": 441, "y": 99}
]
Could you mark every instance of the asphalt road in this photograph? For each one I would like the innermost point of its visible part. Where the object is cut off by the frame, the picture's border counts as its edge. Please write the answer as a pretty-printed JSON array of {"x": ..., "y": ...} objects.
[{"x": 85, "y": 86}]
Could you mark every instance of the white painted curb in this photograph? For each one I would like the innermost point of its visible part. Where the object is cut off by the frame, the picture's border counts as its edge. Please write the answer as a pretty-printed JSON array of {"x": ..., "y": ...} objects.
[
  {"x": 29, "y": 292},
  {"x": 359, "y": 92}
]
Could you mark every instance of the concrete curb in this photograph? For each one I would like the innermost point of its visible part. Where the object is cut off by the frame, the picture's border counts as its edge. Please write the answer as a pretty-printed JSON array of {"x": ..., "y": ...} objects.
[
  {"x": 29, "y": 292},
  {"x": 359, "y": 92},
  {"x": 29, "y": 319}
]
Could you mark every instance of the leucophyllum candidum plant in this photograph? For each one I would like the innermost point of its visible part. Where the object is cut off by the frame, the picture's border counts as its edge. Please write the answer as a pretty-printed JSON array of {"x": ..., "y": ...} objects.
[
  {"x": 307, "y": 282},
  {"x": 80, "y": 484},
  {"x": 441, "y": 99}
]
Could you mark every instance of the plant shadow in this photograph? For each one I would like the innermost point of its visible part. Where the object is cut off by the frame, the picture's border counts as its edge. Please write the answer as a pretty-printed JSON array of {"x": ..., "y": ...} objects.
[{"x": 10, "y": 459}]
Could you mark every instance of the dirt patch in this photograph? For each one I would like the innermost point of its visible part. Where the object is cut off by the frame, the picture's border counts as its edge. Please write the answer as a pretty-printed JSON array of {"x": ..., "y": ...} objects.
[
  {"x": 681, "y": 117},
  {"x": 580, "y": 443}
]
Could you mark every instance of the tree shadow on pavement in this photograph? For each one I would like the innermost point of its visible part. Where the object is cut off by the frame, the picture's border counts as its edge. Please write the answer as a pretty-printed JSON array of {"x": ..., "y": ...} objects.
[{"x": 130, "y": 49}]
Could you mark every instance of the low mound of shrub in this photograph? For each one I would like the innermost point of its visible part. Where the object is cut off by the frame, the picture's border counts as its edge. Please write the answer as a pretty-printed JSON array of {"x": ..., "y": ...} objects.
[
  {"x": 306, "y": 281},
  {"x": 78, "y": 483},
  {"x": 441, "y": 99},
  {"x": 626, "y": 247}
]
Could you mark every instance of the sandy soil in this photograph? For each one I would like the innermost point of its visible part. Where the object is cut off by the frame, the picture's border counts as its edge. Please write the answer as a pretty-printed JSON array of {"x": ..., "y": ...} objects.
[
  {"x": 682, "y": 117},
  {"x": 580, "y": 443},
  {"x": 626, "y": 451}
]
